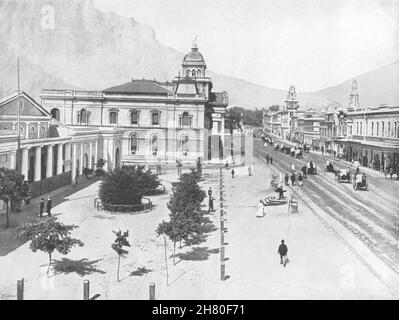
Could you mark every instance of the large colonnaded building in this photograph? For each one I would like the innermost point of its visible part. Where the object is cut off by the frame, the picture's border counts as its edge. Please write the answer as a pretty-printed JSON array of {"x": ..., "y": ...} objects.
[
  {"x": 138, "y": 122},
  {"x": 182, "y": 119},
  {"x": 368, "y": 134}
]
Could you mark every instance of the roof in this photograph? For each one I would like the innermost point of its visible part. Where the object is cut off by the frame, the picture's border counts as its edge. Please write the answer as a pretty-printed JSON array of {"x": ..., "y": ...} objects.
[
  {"x": 194, "y": 57},
  {"x": 139, "y": 86},
  {"x": 29, "y": 107}
]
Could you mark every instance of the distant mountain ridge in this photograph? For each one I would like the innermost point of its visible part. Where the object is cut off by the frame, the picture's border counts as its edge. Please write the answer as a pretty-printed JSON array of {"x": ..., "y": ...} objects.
[{"x": 92, "y": 50}]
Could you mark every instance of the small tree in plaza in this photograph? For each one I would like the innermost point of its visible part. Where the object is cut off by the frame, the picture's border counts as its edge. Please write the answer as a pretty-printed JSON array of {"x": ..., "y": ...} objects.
[
  {"x": 185, "y": 210},
  {"x": 120, "y": 242},
  {"x": 48, "y": 236},
  {"x": 12, "y": 189},
  {"x": 126, "y": 186}
]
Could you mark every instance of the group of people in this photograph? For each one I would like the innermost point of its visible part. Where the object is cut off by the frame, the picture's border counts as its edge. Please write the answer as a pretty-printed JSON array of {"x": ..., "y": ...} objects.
[
  {"x": 48, "y": 207},
  {"x": 293, "y": 177}
]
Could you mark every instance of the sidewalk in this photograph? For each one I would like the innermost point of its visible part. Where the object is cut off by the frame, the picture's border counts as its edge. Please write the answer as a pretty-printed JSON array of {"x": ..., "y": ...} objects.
[
  {"x": 8, "y": 241},
  {"x": 321, "y": 266}
]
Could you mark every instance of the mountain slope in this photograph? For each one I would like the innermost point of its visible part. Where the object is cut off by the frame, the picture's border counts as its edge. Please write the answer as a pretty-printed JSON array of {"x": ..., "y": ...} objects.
[
  {"x": 89, "y": 49},
  {"x": 375, "y": 87}
]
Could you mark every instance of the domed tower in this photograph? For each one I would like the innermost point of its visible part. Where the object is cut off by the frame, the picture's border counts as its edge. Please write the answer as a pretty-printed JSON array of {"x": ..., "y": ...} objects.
[{"x": 193, "y": 65}]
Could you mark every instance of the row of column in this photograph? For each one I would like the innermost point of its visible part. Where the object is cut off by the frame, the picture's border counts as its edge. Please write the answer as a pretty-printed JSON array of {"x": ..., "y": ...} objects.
[
  {"x": 38, "y": 161},
  {"x": 78, "y": 170}
]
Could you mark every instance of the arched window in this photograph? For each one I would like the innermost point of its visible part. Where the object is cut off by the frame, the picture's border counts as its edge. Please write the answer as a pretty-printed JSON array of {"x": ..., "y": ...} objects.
[
  {"x": 133, "y": 142},
  {"x": 193, "y": 73},
  {"x": 188, "y": 72},
  {"x": 198, "y": 73},
  {"x": 43, "y": 132},
  {"x": 55, "y": 113},
  {"x": 32, "y": 133},
  {"x": 154, "y": 145},
  {"x": 185, "y": 120},
  {"x": 184, "y": 145},
  {"x": 83, "y": 117}
]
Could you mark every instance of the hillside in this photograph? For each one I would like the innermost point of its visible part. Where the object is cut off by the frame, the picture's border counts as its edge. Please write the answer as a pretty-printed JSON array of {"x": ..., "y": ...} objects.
[{"x": 83, "y": 47}]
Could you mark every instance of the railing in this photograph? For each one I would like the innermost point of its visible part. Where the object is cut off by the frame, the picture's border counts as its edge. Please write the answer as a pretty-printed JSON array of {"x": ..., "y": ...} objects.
[{"x": 114, "y": 208}]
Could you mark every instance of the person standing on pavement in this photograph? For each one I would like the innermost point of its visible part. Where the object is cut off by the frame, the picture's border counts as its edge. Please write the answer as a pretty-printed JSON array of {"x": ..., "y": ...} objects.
[
  {"x": 300, "y": 179},
  {"x": 293, "y": 179},
  {"x": 286, "y": 179},
  {"x": 211, "y": 204},
  {"x": 232, "y": 173},
  {"x": 271, "y": 160},
  {"x": 282, "y": 251},
  {"x": 41, "y": 207},
  {"x": 267, "y": 159},
  {"x": 49, "y": 206}
]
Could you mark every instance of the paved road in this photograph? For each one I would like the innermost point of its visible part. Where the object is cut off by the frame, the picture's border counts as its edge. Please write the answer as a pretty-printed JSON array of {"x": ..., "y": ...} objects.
[{"x": 372, "y": 216}]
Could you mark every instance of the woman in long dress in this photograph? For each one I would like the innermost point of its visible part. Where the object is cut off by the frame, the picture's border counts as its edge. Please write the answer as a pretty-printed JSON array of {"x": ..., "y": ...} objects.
[{"x": 260, "y": 211}]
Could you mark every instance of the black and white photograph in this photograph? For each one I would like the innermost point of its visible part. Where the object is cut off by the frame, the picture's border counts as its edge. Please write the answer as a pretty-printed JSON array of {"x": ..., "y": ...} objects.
[{"x": 199, "y": 150}]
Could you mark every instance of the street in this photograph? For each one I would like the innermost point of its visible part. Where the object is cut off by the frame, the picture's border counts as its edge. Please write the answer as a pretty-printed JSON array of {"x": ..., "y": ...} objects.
[{"x": 372, "y": 216}]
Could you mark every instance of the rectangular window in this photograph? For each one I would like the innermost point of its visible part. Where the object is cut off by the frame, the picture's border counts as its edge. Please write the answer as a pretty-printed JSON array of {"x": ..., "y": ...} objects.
[
  {"x": 382, "y": 129},
  {"x": 389, "y": 129},
  {"x": 113, "y": 117},
  {"x": 134, "y": 117},
  {"x": 372, "y": 128},
  {"x": 155, "y": 118}
]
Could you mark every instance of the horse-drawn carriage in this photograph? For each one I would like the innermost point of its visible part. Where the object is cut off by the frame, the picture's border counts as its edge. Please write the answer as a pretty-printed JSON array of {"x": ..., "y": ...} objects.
[
  {"x": 343, "y": 175},
  {"x": 330, "y": 166},
  {"x": 311, "y": 169},
  {"x": 360, "y": 182}
]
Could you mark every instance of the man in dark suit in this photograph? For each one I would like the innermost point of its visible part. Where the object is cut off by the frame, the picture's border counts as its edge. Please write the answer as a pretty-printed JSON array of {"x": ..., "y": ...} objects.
[{"x": 282, "y": 251}]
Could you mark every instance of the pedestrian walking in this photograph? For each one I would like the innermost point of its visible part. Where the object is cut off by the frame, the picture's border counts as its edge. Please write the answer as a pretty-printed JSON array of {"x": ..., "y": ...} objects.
[
  {"x": 49, "y": 206},
  {"x": 300, "y": 179},
  {"x": 286, "y": 179},
  {"x": 293, "y": 178},
  {"x": 41, "y": 207},
  {"x": 271, "y": 160},
  {"x": 267, "y": 159},
  {"x": 260, "y": 212},
  {"x": 282, "y": 251},
  {"x": 232, "y": 173}
]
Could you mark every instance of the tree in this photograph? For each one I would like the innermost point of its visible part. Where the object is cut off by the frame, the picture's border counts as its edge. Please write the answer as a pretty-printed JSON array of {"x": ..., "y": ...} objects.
[
  {"x": 185, "y": 217},
  {"x": 126, "y": 186},
  {"x": 120, "y": 242},
  {"x": 12, "y": 189},
  {"x": 48, "y": 236}
]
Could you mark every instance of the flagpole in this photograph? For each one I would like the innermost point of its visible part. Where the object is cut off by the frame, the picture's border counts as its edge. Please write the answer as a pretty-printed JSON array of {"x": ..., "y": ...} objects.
[{"x": 18, "y": 121}]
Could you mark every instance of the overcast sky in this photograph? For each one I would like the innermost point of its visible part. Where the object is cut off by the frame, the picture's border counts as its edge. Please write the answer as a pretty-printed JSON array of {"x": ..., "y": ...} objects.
[{"x": 310, "y": 43}]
